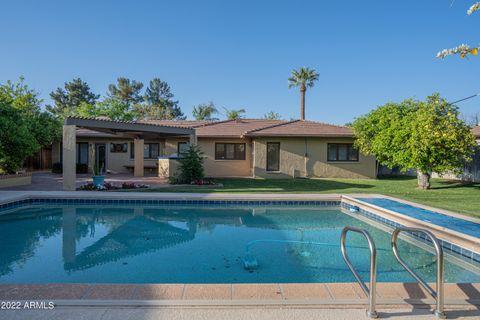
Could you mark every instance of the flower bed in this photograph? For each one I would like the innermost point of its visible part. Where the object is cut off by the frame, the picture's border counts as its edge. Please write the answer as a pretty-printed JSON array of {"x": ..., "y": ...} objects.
[{"x": 109, "y": 186}]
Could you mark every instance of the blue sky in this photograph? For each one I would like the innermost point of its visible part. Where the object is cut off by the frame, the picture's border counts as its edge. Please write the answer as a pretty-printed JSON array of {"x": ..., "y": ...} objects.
[{"x": 239, "y": 54}]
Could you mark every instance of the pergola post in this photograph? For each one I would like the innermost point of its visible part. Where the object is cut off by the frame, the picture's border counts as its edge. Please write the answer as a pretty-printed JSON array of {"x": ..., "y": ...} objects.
[
  {"x": 69, "y": 146},
  {"x": 138, "y": 169},
  {"x": 92, "y": 157}
]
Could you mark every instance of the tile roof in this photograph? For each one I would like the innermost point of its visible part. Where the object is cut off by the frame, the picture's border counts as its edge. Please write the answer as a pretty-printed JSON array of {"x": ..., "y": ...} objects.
[
  {"x": 234, "y": 128},
  {"x": 244, "y": 127},
  {"x": 302, "y": 128},
  {"x": 178, "y": 123},
  {"x": 108, "y": 120}
]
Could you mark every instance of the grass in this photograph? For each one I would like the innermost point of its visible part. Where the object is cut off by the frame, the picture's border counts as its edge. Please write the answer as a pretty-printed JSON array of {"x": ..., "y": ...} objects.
[{"x": 451, "y": 195}]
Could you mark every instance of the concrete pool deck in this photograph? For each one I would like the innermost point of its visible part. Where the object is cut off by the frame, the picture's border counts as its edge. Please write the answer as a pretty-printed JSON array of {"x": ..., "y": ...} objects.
[
  {"x": 236, "y": 301},
  {"x": 327, "y": 294},
  {"x": 230, "y": 313}
]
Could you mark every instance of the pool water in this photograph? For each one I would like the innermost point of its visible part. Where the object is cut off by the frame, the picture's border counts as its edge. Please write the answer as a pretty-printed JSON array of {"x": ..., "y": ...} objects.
[{"x": 170, "y": 244}]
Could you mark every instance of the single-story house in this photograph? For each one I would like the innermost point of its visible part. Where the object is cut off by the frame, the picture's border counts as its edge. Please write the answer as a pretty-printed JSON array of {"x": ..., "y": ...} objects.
[
  {"x": 476, "y": 133},
  {"x": 232, "y": 148}
]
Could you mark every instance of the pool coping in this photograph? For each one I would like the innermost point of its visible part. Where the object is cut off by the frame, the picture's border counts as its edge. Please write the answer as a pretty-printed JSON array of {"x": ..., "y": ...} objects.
[{"x": 285, "y": 294}]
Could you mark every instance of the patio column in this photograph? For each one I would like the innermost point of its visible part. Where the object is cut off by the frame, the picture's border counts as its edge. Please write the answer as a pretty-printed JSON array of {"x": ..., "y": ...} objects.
[
  {"x": 69, "y": 157},
  {"x": 193, "y": 138},
  {"x": 69, "y": 226},
  {"x": 138, "y": 151},
  {"x": 91, "y": 157}
]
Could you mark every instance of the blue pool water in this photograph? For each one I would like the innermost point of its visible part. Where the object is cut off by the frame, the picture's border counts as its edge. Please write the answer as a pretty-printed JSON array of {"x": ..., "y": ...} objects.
[
  {"x": 459, "y": 225},
  {"x": 196, "y": 244}
]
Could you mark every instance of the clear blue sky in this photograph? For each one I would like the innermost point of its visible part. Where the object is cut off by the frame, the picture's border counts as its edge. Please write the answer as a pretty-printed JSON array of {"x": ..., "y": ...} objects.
[{"x": 240, "y": 53}]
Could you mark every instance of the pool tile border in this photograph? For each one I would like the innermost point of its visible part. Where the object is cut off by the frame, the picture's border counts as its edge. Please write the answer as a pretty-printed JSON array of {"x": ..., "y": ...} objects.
[
  {"x": 169, "y": 202},
  {"x": 471, "y": 256}
]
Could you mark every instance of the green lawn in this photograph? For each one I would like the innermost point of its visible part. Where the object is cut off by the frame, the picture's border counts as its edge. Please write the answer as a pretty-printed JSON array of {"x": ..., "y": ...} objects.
[{"x": 455, "y": 196}]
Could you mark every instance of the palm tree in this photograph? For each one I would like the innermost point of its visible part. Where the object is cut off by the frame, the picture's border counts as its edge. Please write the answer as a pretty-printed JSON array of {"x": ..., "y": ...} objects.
[
  {"x": 303, "y": 78},
  {"x": 272, "y": 115},
  {"x": 205, "y": 111},
  {"x": 234, "y": 114}
]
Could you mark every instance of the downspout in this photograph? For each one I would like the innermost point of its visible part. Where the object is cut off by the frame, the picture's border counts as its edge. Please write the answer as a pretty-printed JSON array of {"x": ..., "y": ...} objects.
[
  {"x": 252, "y": 158},
  {"x": 305, "y": 157}
]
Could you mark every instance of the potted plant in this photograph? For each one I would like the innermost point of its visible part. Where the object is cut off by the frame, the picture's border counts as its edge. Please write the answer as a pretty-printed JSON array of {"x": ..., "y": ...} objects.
[{"x": 98, "y": 177}]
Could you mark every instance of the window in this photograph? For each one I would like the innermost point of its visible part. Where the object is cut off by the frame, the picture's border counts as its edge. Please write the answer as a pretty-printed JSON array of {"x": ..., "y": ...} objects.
[
  {"x": 230, "y": 151},
  {"x": 82, "y": 153},
  {"x": 150, "y": 150},
  {"x": 273, "y": 156},
  {"x": 341, "y": 152},
  {"x": 182, "y": 148},
  {"x": 118, "y": 147}
]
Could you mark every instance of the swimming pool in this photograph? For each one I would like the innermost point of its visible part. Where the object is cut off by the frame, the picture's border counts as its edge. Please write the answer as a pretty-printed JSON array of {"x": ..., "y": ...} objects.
[{"x": 142, "y": 242}]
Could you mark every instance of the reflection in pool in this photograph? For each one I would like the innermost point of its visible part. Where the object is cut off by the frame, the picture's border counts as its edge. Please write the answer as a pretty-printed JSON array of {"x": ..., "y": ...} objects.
[{"x": 167, "y": 244}]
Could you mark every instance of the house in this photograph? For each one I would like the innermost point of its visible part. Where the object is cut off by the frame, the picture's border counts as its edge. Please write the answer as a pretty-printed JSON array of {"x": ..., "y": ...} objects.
[
  {"x": 476, "y": 133},
  {"x": 232, "y": 148}
]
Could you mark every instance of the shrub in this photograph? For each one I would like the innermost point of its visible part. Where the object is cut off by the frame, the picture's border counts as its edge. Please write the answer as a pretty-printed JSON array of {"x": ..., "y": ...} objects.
[{"x": 191, "y": 166}]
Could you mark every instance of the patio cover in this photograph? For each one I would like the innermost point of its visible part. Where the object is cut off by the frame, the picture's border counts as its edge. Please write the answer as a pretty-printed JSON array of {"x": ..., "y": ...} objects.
[{"x": 137, "y": 130}]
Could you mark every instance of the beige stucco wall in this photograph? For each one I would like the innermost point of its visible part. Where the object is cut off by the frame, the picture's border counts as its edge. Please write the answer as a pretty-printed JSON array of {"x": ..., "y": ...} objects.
[
  {"x": 292, "y": 160},
  {"x": 217, "y": 168},
  {"x": 294, "y": 163},
  {"x": 170, "y": 146},
  {"x": 116, "y": 161}
]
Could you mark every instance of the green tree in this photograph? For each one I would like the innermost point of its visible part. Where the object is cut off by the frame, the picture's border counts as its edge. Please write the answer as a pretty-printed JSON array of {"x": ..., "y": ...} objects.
[
  {"x": 158, "y": 103},
  {"x": 16, "y": 142},
  {"x": 426, "y": 135},
  {"x": 24, "y": 127},
  {"x": 68, "y": 99},
  {"x": 44, "y": 127},
  {"x": 191, "y": 165},
  {"x": 113, "y": 109},
  {"x": 272, "y": 115},
  {"x": 126, "y": 91},
  {"x": 205, "y": 111},
  {"x": 121, "y": 101},
  {"x": 234, "y": 114},
  {"x": 303, "y": 78}
]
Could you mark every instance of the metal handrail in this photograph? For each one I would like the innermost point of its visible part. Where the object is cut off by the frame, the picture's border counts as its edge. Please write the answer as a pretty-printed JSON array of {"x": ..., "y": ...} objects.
[
  {"x": 439, "y": 294},
  {"x": 371, "y": 293}
]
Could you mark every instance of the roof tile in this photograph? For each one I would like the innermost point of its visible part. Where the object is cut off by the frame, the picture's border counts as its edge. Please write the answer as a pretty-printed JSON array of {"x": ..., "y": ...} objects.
[{"x": 303, "y": 128}]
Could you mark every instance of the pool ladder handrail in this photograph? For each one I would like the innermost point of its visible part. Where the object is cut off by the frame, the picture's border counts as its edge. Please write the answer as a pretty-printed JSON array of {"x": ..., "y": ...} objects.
[
  {"x": 439, "y": 294},
  {"x": 371, "y": 293}
]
